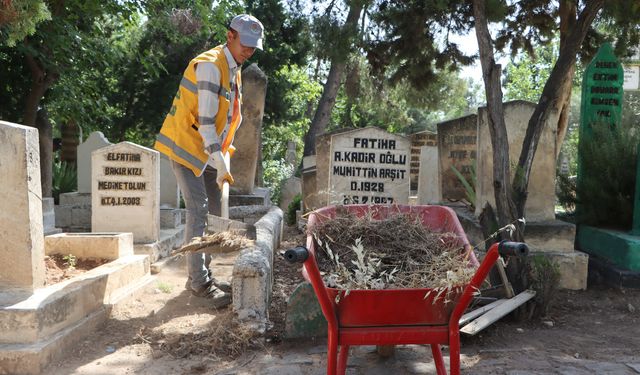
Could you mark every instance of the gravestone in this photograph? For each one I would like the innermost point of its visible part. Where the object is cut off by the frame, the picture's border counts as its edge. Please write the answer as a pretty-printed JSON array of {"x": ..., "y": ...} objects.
[
  {"x": 95, "y": 141},
  {"x": 366, "y": 166},
  {"x": 248, "y": 137},
  {"x": 457, "y": 144},
  {"x": 21, "y": 228},
  {"x": 290, "y": 188},
  {"x": 125, "y": 191},
  {"x": 601, "y": 91},
  {"x": 169, "y": 192},
  {"x": 309, "y": 184},
  {"x": 291, "y": 157},
  {"x": 419, "y": 139},
  {"x": 429, "y": 178},
  {"x": 540, "y": 205}
]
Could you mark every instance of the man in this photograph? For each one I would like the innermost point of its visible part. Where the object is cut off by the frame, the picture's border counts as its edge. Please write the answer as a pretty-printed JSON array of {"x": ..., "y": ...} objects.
[{"x": 197, "y": 136}]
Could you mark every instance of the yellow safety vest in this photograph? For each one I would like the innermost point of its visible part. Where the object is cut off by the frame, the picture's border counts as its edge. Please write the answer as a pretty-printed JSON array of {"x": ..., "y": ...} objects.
[{"x": 179, "y": 138}]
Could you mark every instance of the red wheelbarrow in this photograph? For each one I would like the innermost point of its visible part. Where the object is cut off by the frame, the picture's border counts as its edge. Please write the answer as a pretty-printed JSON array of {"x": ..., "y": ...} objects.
[{"x": 396, "y": 316}]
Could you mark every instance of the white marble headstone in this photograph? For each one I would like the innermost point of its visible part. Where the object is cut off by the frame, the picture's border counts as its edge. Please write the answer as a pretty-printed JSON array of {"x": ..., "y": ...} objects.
[
  {"x": 369, "y": 166},
  {"x": 95, "y": 141},
  {"x": 125, "y": 193}
]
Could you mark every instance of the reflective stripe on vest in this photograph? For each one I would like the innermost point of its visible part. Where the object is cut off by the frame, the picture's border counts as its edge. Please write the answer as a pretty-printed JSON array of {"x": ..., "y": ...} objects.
[{"x": 179, "y": 151}]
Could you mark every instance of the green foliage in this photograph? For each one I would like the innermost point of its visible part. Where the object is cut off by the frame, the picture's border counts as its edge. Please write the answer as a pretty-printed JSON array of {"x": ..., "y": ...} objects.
[
  {"x": 397, "y": 107},
  {"x": 527, "y": 74},
  {"x": 469, "y": 186},
  {"x": 545, "y": 278},
  {"x": 566, "y": 192},
  {"x": 292, "y": 208},
  {"x": 71, "y": 261},
  {"x": 291, "y": 123},
  {"x": 275, "y": 173},
  {"x": 19, "y": 18},
  {"x": 606, "y": 185},
  {"x": 65, "y": 179},
  {"x": 410, "y": 39},
  {"x": 164, "y": 287}
]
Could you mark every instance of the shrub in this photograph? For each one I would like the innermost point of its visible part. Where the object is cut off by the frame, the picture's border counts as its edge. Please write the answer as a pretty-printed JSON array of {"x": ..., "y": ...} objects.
[
  {"x": 65, "y": 179},
  {"x": 292, "y": 208},
  {"x": 606, "y": 183}
]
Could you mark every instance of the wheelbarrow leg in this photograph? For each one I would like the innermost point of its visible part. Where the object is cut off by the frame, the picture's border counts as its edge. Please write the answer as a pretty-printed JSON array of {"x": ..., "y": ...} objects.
[
  {"x": 454, "y": 353},
  {"x": 437, "y": 358},
  {"x": 332, "y": 352},
  {"x": 342, "y": 359}
]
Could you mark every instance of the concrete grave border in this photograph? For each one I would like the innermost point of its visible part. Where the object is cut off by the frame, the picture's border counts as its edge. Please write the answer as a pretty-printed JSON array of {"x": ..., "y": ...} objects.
[{"x": 253, "y": 272}]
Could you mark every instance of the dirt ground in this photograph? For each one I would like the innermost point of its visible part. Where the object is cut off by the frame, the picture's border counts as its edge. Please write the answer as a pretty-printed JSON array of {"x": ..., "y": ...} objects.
[
  {"x": 164, "y": 330},
  {"x": 60, "y": 267}
]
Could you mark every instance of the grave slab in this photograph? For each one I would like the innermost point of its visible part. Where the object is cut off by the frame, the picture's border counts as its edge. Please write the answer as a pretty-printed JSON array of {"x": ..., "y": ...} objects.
[
  {"x": 304, "y": 317},
  {"x": 93, "y": 245},
  {"x": 170, "y": 238},
  {"x": 43, "y": 327}
]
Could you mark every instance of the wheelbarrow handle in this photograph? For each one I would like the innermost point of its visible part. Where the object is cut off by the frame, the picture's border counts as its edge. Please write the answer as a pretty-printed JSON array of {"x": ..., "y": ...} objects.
[
  {"x": 508, "y": 248},
  {"x": 296, "y": 255}
]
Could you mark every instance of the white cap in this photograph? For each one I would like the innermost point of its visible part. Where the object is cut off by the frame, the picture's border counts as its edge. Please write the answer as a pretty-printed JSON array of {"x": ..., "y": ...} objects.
[{"x": 250, "y": 30}]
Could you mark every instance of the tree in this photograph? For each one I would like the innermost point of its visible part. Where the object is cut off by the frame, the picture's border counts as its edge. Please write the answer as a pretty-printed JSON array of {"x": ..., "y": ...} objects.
[
  {"x": 43, "y": 57},
  {"x": 19, "y": 18},
  {"x": 337, "y": 47}
]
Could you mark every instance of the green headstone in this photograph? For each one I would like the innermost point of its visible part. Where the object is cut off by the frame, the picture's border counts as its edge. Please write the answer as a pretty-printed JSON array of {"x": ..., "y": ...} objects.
[
  {"x": 602, "y": 96},
  {"x": 602, "y": 91},
  {"x": 635, "y": 230},
  {"x": 304, "y": 317}
]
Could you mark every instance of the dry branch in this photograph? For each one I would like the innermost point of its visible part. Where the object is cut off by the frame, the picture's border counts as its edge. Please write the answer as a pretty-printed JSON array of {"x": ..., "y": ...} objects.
[
  {"x": 218, "y": 243},
  {"x": 395, "y": 252}
]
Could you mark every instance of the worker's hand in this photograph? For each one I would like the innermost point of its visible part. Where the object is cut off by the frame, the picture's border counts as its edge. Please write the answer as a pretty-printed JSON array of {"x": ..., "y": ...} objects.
[
  {"x": 221, "y": 167},
  {"x": 224, "y": 177}
]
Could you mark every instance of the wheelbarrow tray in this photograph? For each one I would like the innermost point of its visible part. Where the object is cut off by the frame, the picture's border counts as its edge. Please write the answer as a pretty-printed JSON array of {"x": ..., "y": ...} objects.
[{"x": 396, "y": 307}]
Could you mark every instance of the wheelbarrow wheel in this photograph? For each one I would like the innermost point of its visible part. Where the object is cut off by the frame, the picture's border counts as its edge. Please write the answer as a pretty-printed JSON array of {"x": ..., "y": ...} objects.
[{"x": 385, "y": 351}]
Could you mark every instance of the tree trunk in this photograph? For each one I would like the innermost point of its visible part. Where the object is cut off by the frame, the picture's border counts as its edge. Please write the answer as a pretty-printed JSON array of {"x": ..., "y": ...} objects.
[
  {"x": 505, "y": 207},
  {"x": 45, "y": 132},
  {"x": 568, "y": 11},
  {"x": 551, "y": 94},
  {"x": 328, "y": 98},
  {"x": 70, "y": 141},
  {"x": 41, "y": 80}
]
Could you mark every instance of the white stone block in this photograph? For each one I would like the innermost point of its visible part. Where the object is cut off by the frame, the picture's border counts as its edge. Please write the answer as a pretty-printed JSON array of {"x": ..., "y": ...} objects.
[
  {"x": 125, "y": 191},
  {"x": 429, "y": 178},
  {"x": 21, "y": 226},
  {"x": 109, "y": 246}
]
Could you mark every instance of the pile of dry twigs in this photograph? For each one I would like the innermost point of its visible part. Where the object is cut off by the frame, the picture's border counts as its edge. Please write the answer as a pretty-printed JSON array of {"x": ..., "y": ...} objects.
[{"x": 395, "y": 252}]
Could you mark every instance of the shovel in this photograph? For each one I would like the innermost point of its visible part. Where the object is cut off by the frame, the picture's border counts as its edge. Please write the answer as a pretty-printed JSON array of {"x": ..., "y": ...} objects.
[{"x": 224, "y": 199}]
